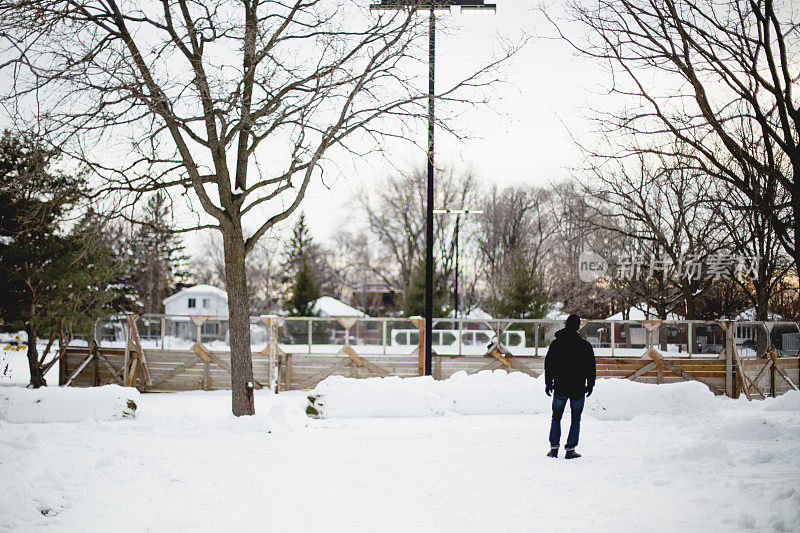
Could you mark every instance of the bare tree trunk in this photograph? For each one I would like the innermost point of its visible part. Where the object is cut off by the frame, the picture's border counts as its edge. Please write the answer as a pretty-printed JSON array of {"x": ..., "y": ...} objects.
[
  {"x": 37, "y": 378},
  {"x": 796, "y": 213},
  {"x": 239, "y": 322},
  {"x": 761, "y": 313}
]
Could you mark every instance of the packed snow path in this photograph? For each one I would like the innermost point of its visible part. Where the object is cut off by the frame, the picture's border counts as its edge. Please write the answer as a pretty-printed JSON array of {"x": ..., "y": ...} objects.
[{"x": 185, "y": 464}]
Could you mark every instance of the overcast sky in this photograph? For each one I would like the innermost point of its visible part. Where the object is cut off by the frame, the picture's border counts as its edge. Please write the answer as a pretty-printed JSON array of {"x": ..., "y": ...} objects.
[{"x": 525, "y": 137}]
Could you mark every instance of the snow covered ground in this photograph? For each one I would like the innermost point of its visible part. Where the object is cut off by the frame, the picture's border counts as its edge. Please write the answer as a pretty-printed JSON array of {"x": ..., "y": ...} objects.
[
  {"x": 655, "y": 458},
  {"x": 14, "y": 360}
]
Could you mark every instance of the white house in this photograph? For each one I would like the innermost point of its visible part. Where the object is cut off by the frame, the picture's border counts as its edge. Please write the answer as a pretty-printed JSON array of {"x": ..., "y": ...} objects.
[
  {"x": 203, "y": 300},
  {"x": 198, "y": 300}
]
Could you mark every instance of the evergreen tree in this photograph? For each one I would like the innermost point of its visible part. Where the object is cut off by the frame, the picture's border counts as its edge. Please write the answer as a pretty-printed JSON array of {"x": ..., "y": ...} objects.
[
  {"x": 50, "y": 278},
  {"x": 414, "y": 297},
  {"x": 522, "y": 294},
  {"x": 305, "y": 290},
  {"x": 157, "y": 255},
  {"x": 300, "y": 275}
]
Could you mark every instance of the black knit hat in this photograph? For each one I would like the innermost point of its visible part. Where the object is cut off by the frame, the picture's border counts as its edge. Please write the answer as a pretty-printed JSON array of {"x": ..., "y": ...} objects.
[{"x": 573, "y": 322}]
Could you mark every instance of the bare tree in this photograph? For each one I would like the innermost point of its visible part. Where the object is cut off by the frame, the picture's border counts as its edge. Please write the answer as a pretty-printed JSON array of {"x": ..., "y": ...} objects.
[
  {"x": 748, "y": 233},
  {"x": 396, "y": 216},
  {"x": 185, "y": 94},
  {"x": 516, "y": 225},
  {"x": 261, "y": 267},
  {"x": 665, "y": 211},
  {"x": 574, "y": 233},
  {"x": 701, "y": 72}
]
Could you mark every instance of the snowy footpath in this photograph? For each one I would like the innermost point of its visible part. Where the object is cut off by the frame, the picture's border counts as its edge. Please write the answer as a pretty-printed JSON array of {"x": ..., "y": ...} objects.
[{"x": 655, "y": 458}]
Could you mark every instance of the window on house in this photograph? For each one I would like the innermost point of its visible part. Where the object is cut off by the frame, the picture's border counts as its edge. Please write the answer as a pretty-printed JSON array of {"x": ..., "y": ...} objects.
[
  {"x": 206, "y": 303},
  {"x": 192, "y": 303},
  {"x": 210, "y": 328}
]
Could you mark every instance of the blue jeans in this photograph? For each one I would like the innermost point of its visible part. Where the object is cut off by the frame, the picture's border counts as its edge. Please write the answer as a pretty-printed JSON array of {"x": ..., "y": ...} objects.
[{"x": 576, "y": 408}]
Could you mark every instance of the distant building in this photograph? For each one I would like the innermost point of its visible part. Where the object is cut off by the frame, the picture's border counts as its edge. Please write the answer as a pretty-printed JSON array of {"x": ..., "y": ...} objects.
[
  {"x": 200, "y": 300},
  {"x": 376, "y": 296}
]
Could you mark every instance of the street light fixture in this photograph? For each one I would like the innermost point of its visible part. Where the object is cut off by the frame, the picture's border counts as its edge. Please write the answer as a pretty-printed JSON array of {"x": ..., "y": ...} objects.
[
  {"x": 431, "y": 6},
  {"x": 457, "y": 213}
]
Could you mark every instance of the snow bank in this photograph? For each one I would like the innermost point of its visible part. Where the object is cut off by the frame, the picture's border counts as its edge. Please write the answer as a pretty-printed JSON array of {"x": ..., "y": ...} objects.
[
  {"x": 341, "y": 397},
  {"x": 211, "y": 411},
  {"x": 494, "y": 392},
  {"x": 67, "y": 404},
  {"x": 622, "y": 399},
  {"x": 789, "y": 401},
  {"x": 497, "y": 392}
]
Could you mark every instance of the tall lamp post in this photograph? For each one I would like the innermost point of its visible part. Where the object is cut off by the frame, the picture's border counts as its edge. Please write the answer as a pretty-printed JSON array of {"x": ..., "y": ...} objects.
[
  {"x": 432, "y": 6},
  {"x": 457, "y": 213}
]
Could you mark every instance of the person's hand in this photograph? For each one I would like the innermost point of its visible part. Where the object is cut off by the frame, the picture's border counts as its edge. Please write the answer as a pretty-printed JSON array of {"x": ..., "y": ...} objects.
[
  {"x": 589, "y": 391},
  {"x": 548, "y": 390}
]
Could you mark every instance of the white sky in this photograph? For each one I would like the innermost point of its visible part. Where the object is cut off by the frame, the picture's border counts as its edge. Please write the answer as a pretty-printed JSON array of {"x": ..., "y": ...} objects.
[{"x": 524, "y": 138}]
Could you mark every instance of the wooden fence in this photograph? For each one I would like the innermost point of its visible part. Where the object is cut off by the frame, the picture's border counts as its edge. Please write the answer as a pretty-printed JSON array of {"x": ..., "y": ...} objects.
[{"x": 280, "y": 368}]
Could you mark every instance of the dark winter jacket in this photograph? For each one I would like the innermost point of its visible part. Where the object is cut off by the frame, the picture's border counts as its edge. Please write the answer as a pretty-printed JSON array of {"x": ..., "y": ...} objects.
[{"x": 569, "y": 367}]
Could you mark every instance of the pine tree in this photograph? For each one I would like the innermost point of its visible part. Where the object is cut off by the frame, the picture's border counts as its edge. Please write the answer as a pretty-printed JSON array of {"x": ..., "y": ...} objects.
[
  {"x": 300, "y": 275},
  {"x": 414, "y": 297},
  {"x": 50, "y": 278},
  {"x": 305, "y": 290},
  {"x": 158, "y": 256},
  {"x": 522, "y": 295}
]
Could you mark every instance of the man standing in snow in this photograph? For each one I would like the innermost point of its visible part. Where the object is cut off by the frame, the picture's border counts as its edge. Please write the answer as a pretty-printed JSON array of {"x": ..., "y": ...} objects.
[{"x": 569, "y": 371}]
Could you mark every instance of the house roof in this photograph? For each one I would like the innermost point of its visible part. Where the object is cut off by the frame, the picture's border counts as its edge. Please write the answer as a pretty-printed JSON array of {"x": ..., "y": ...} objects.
[
  {"x": 556, "y": 312},
  {"x": 474, "y": 314},
  {"x": 636, "y": 313},
  {"x": 750, "y": 315},
  {"x": 200, "y": 289},
  {"x": 329, "y": 306}
]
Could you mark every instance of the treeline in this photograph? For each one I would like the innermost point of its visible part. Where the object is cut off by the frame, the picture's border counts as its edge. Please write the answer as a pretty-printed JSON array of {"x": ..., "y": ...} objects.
[{"x": 676, "y": 243}]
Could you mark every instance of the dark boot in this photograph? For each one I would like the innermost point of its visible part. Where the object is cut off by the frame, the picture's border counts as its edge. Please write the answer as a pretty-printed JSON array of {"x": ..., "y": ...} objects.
[
  {"x": 553, "y": 451},
  {"x": 571, "y": 454}
]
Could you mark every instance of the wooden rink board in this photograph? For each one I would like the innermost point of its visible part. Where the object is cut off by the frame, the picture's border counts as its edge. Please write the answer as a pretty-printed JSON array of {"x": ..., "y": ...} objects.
[{"x": 303, "y": 371}]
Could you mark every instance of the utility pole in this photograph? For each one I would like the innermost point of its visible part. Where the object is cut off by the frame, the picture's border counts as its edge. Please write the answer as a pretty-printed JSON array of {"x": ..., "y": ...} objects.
[
  {"x": 432, "y": 6},
  {"x": 457, "y": 213}
]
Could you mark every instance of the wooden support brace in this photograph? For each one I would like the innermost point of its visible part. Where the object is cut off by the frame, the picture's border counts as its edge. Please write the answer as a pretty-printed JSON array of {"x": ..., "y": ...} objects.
[
  {"x": 642, "y": 371},
  {"x": 491, "y": 365},
  {"x": 745, "y": 377},
  {"x": 175, "y": 371},
  {"x": 766, "y": 366},
  {"x": 419, "y": 322},
  {"x": 664, "y": 364},
  {"x": 319, "y": 376},
  {"x": 782, "y": 373},
  {"x": 200, "y": 350},
  {"x": 210, "y": 357},
  {"x": 350, "y": 352},
  {"x": 78, "y": 370},
  {"x": 107, "y": 364},
  {"x": 132, "y": 373},
  {"x": 375, "y": 368},
  {"x": 739, "y": 368},
  {"x": 137, "y": 345},
  {"x": 523, "y": 368},
  {"x": 497, "y": 355}
]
